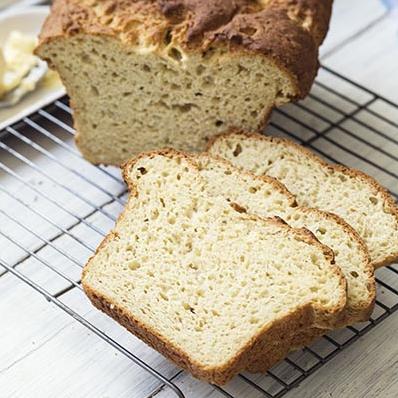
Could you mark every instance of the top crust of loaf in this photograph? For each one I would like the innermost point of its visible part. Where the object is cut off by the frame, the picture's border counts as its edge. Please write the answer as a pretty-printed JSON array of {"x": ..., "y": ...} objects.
[
  {"x": 288, "y": 32},
  {"x": 389, "y": 204}
]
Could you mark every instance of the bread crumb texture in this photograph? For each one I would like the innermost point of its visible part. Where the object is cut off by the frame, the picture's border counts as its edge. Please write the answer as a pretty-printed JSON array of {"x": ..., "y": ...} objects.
[
  {"x": 202, "y": 282},
  {"x": 349, "y": 193}
]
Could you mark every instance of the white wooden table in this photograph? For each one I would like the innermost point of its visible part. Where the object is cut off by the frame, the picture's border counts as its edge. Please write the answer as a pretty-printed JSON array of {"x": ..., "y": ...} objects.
[{"x": 45, "y": 353}]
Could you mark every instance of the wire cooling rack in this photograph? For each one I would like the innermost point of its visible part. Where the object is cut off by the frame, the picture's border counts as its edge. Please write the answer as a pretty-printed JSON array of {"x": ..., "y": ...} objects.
[{"x": 55, "y": 208}]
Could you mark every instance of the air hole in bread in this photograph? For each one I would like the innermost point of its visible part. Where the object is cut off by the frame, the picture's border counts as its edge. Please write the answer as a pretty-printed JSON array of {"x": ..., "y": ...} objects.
[
  {"x": 248, "y": 30},
  {"x": 86, "y": 59},
  {"x": 208, "y": 81},
  {"x": 107, "y": 21},
  {"x": 142, "y": 170},
  {"x": 241, "y": 69},
  {"x": 175, "y": 54},
  {"x": 238, "y": 208},
  {"x": 238, "y": 150},
  {"x": 163, "y": 296},
  {"x": 200, "y": 69},
  {"x": 134, "y": 265},
  {"x": 183, "y": 108},
  {"x": 168, "y": 36},
  {"x": 373, "y": 200},
  {"x": 315, "y": 260},
  {"x": 94, "y": 91}
]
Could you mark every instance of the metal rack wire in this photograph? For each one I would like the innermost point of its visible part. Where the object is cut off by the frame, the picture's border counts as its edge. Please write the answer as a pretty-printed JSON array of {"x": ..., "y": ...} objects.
[{"x": 63, "y": 204}]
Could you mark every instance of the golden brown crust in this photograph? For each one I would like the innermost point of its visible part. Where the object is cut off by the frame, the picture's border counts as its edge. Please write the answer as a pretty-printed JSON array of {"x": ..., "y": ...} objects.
[
  {"x": 301, "y": 318},
  {"x": 279, "y": 351},
  {"x": 220, "y": 375},
  {"x": 287, "y": 31},
  {"x": 312, "y": 15},
  {"x": 363, "y": 311},
  {"x": 390, "y": 206}
]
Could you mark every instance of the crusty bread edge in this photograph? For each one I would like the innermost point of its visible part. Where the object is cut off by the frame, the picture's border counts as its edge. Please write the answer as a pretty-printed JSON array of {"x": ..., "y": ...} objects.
[
  {"x": 390, "y": 205},
  {"x": 302, "y": 317}
]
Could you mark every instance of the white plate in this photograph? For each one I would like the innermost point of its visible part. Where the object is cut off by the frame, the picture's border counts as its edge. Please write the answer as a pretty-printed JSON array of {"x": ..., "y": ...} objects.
[
  {"x": 18, "y": 3},
  {"x": 28, "y": 21}
]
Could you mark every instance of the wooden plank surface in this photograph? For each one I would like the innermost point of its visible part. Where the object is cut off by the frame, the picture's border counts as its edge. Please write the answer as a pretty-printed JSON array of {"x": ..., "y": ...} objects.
[
  {"x": 372, "y": 57},
  {"x": 45, "y": 353}
]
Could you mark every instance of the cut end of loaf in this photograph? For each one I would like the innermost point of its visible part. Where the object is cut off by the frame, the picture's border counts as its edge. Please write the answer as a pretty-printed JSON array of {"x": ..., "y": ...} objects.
[
  {"x": 202, "y": 282},
  {"x": 126, "y": 101}
]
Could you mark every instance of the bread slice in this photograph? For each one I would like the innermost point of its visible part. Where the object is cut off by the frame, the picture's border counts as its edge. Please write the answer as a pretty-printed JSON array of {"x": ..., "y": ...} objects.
[
  {"x": 205, "y": 285},
  {"x": 142, "y": 75},
  {"x": 265, "y": 196},
  {"x": 349, "y": 193}
]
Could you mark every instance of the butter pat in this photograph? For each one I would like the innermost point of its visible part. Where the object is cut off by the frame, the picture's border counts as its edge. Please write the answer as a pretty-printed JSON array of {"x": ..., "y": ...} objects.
[{"x": 18, "y": 59}]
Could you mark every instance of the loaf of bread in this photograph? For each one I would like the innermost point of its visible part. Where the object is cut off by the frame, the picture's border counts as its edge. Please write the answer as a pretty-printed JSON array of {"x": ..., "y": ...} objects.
[
  {"x": 208, "y": 286},
  {"x": 349, "y": 193},
  {"x": 143, "y": 75},
  {"x": 265, "y": 196}
]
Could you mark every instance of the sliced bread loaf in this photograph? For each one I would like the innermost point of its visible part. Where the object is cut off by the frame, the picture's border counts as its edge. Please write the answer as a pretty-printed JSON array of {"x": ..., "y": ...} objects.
[
  {"x": 147, "y": 74},
  {"x": 349, "y": 193},
  {"x": 204, "y": 284},
  {"x": 265, "y": 196}
]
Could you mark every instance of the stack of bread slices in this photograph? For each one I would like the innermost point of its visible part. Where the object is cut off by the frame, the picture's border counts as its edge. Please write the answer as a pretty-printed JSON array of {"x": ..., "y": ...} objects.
[{"x": 227, "y": 260}]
